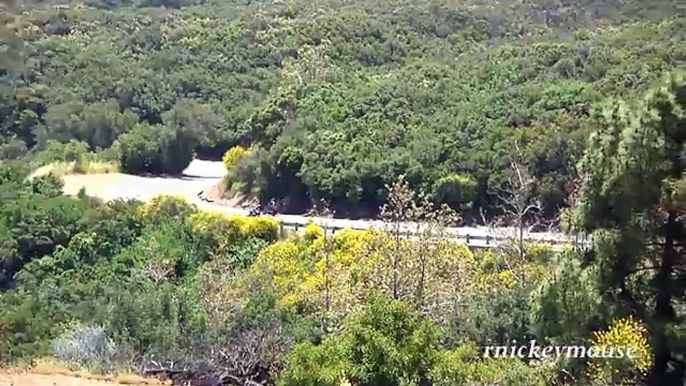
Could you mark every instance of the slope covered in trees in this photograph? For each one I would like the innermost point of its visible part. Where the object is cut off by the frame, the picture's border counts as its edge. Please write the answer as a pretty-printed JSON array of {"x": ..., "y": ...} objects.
[
  {"x": 493, "y": 106},
  {"x": 339, "y": 98},
  {"x": 111, "y": 286}
]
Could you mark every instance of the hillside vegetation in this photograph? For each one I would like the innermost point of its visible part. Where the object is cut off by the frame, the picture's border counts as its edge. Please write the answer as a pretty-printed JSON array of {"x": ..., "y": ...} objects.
[
  {"x": 339, "y": 98},
  {"x": 111, "y": 286},
  {"x": 568, "y": 113}
]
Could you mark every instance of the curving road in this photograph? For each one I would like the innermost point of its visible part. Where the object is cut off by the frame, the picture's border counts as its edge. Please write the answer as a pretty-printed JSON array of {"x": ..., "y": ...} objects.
[{"x": 201, "y": 175}]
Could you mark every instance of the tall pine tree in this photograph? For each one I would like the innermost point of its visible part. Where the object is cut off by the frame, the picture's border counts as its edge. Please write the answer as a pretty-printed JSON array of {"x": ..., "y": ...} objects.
[{"x": 633, "y": 199}]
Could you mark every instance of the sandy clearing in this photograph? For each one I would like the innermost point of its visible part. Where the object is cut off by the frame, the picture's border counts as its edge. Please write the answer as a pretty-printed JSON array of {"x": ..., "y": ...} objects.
[
  {"x": 199, "y": 176},
  {"x": 31, "y": 379}
]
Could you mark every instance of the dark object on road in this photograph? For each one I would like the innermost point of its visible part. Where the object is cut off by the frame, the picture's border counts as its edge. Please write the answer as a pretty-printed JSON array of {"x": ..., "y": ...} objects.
[{"x": 270, "y": 210}]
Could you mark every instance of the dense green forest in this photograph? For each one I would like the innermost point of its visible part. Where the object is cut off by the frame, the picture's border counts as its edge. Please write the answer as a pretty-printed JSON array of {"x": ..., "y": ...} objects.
[
  {"x": 338, "y": 99},
  {"x": 490, "y": 107},
  {"x": 110, "y": 285}
]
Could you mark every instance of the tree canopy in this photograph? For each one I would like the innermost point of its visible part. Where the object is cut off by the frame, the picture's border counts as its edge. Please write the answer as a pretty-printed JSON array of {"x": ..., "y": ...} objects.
[
  {"x": 339, "y": 99},
  {"x": 436, "y": 111}
]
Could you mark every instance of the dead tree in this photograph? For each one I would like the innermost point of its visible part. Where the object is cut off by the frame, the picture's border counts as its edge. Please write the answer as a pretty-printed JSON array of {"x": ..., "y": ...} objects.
[
  {"x": 418, "y": 232},
  {"x": 517, "y": 197},
  {"x": 399, "y": 209}
]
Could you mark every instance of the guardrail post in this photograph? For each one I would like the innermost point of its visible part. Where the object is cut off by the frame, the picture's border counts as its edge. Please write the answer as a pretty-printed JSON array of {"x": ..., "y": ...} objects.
[
  {"x": 467, "y": 238},
  {"x": 488, "y": 239}
]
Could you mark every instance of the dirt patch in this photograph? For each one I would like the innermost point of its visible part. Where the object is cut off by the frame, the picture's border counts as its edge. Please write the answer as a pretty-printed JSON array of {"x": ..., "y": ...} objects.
[
  {"x": 218, "y": 193},
  {"x": 30, "y": 378}
]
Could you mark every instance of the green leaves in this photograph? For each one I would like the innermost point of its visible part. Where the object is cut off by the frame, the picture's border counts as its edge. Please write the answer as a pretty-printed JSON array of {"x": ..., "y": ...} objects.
[
  {"x": 388, "y": 344},
  {"x": 630, "y": 200},
  {"x": 155, "y": 149},
  {"x": 568, "y": 302}
]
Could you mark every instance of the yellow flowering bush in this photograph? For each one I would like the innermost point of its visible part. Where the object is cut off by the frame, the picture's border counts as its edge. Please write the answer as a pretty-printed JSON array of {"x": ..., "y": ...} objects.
[
  {"x": 335, "y": 273},
  {"x": 215, "y": 229},
  {"x": 313, "y": 232},
  {"x": 305, "y": 268},
  {"x": 218, "y": 229},
  {"x": 265, "y": 228},
  {"x": 284, "y": 266},
  {"x": 341, "y": 262},
  {"x": 167, "y": 205},
  {"x": 234, "y": 155},
  {"x": 627, "y": 334},
  {"x": 494, "y": 270},
  {"x": 540, "y": 252},
  {"x": 507, "y": 279}
]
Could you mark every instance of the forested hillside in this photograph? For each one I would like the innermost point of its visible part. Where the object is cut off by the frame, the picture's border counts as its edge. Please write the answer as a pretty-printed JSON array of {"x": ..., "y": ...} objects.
[
  {"x": 339, "y": 98},
  {"x": 574, "y": 109},
  {"x": 115, "y": 286}
]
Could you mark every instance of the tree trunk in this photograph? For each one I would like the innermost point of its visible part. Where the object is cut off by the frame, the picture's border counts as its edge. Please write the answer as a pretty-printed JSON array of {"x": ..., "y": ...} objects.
[
  {"x": 664, "y": 312},
  {"x": 327, "y": 295},
  {"x": 396, "y": 264},
  {"x": 521, "y": 238}
]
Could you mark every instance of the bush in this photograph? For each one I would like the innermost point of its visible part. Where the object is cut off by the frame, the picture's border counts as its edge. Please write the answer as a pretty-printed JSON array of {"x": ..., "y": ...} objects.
[
  {"x": 568, "y": 302},
  {"x": 221, "y": 231},
  {"x": 464, "y": 367},
  {"x": 628, "y": 333},
  {"x": 110, "y": 154},
  {"x": 72, "y": 151},
  {"x": 455, "y": 190},
  {"x": 233, "y": 156},
  {"x": 265, "y": 228},
  {"x": 215, "y": 230},
  {"x": 13, "y": 149},
  {"x": 49, "y": 185},
  {"x": 313, "y": 232},
  {"x": 495, "y": 317},
  {"x": 389, "y": 343},
  {"x": 87, "y": 347},
  {"x": 154, "y": 149},
  {"x": 167, "y": 206}
]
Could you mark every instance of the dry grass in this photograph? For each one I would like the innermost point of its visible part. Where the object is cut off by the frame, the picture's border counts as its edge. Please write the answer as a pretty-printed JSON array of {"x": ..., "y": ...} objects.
[
  {"x": 86, "y": 167},
  {"x": 49, "y": 373},
  {"x": 95, "y": 167}
]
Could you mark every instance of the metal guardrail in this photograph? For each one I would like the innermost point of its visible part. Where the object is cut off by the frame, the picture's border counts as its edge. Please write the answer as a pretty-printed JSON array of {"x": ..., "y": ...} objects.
[{"x": 472, "y": 237}]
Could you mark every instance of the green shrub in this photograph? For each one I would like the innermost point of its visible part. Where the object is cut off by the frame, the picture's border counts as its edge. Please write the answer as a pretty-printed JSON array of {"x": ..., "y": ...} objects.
[
  {"x": 154, "y": 149},
  {"x": 455, "y": 190},
  {"x": 165, "y": 206},
  {"x": 389, "y": 343},
  {"x": 465, "y": 367}
]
